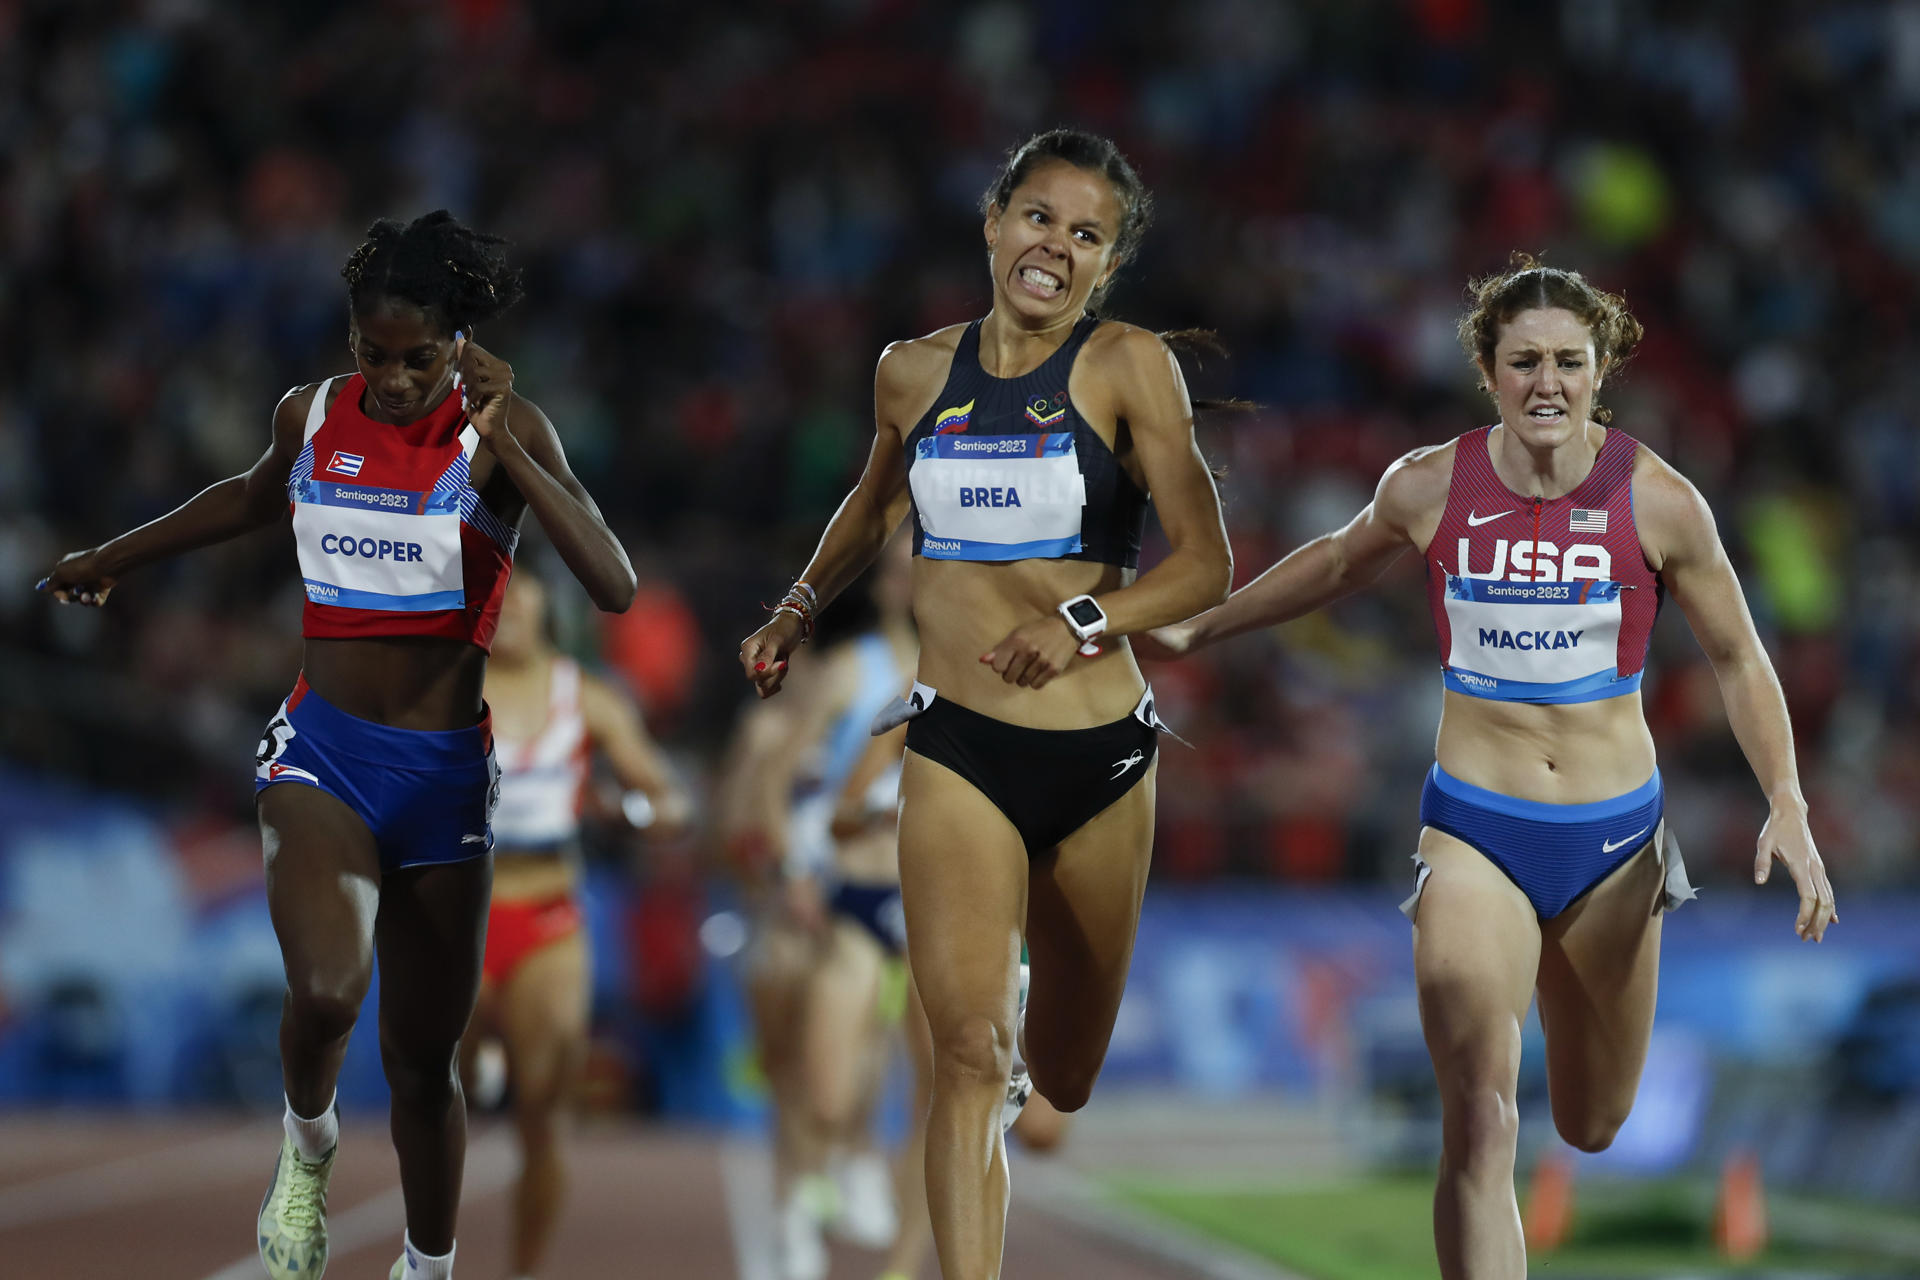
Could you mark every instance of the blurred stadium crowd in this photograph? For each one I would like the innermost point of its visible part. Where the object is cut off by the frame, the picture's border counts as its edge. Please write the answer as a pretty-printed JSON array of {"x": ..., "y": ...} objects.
[{"x": 726, "y": 211}]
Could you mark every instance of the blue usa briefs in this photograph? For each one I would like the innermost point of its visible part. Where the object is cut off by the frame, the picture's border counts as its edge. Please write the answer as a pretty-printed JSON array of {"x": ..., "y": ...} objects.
[
  {"x": 1554, "y": 852},
  {"x": 427, "y": 796}
]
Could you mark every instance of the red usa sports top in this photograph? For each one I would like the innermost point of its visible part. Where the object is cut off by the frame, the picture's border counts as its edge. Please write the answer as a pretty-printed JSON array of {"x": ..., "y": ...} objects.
[
  {"x": 393, "y": 540},
  {"x": 1541, "y": 600}
]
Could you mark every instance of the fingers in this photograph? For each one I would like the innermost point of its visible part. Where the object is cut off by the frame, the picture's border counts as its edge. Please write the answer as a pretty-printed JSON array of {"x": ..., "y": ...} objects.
[
  {"x": 761, "y": 661},
  {"x": 1027, "y": 669},
  {"x": 1018, "y": 663},
  {"x": 1816, "y": 897},
  {"x": 1816, "y": 913},
  {"x": 91, "y": 595},
  {"x": 769, "y": 677},
  {"x": 1762, "y": 864}
]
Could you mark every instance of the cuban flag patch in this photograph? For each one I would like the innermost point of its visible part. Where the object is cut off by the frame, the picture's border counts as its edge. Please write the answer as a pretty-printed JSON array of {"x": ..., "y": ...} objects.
[
  {"x": 1587, "y": 521},
  {"x": 349, "y": 464}
]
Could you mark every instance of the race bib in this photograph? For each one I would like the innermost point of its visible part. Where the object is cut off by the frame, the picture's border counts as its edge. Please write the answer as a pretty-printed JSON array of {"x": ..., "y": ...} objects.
[
  {"x": 366, "y": 547},
  {"x": 998, "y": 497},
  {"x": 1532, "y": 641}
]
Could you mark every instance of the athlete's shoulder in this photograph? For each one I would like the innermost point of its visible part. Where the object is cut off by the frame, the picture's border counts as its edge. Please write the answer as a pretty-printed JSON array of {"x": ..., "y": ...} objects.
[
  {"x": 1664, "y": 500},
  {"x": 910, "y": 361},
  {"x": 1118, "y": 348},
  {"x": 294, "y": 404},
  {"x": 910, "y": 376},
  {"x": 1420, "y": 476},
  {"x": 290, "y": 415}
]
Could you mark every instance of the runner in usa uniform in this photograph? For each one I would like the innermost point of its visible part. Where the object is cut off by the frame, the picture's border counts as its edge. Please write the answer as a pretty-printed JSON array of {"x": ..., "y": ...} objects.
[
  {"x": 407, "y": 481},
  {"x": 1544, "y": 864},
  {"x": 549, "y": 720},
  {"x": 1024, "y": 445}
]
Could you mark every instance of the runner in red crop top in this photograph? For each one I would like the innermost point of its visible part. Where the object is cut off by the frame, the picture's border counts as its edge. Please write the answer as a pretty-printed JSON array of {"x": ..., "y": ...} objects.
[
  {"x": 407, "y": 482},
  {"x": 1545, "y": 863}
]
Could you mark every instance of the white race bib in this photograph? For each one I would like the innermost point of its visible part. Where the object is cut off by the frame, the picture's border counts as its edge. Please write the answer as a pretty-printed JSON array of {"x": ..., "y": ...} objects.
[
  {"x": 362, "y": 547},
  {"x": 998, "y": 497},
  {"x": 1532, "y": 641}
]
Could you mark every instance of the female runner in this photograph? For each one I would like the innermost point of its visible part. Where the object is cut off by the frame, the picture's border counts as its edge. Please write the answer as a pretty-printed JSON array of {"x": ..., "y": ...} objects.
[
  {"x": 1025, "y": 445},
  {"x": 407, "y": 481},
  {"x": 549, "y": 717},
  {"x": 827, "y": 1174},
  {"x": 1544, "y": 863}
]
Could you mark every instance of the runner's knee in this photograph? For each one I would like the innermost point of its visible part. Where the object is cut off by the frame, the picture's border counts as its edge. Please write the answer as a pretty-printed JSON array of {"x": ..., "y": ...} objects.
[
  {"x": 421, "y": 1074},
  {"x": 1481, "y": 1121},
  {"x": 325, "y": 1006},
  {"x": 1589, "y": 1128},
  {"x": 1067, "y": 1088},
  {"x": 975, "y": 1046}
]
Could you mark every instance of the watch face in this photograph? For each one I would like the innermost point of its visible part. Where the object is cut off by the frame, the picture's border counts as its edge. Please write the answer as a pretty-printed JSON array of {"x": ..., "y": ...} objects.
[{"x": 1085, "y": 612}]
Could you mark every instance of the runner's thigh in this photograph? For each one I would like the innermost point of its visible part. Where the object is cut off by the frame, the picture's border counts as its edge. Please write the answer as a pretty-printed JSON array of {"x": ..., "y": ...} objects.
[
  {"x": 1476, "y": 950},
  {"x": 963, "y": 882},
  {"x": 1599, "y": 976},
  {"x": 323, "y": 886},
  {"x": 1082, "y": 914}
]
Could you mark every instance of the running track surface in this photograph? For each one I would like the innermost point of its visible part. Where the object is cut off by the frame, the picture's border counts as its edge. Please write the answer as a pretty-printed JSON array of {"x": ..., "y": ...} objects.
[{"x": 98, "y": 1197}]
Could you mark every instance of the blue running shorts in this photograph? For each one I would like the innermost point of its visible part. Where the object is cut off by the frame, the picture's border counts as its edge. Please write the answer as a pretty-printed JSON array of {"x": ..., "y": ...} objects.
[{"x": 427, "y": 796}]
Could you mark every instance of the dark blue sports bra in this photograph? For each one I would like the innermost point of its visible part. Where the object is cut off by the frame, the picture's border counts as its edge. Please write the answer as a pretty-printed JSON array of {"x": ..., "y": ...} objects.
[{"x": 1007, "y": 469}]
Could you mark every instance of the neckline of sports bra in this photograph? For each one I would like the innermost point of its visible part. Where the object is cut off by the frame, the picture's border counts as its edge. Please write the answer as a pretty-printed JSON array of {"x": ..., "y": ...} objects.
[
  {"x": 1072, "y": 334},
  {"x": 1486, "y": 447}
]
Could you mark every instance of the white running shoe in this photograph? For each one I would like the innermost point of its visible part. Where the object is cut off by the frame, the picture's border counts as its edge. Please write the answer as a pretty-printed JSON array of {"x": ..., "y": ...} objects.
[
  {"x": 293, "y": 1215},
  {"x": 867, "y": 1216},
  {"x": 803, "y": 1254},
  {"x": 1020, "y": 1084},
  {"x": 1019, "y": 1089}
]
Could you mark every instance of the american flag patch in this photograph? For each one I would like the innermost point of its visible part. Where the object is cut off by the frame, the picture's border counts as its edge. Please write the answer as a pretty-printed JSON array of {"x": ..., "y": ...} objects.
[
  {"x": 1587, "y": 521},
  {"x": 349, "y": 464}
]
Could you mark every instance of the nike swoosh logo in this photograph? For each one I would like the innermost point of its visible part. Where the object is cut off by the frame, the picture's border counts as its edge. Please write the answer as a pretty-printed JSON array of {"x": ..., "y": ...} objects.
[
  {"x": 1476, "y": 521},
  {"x": 1608, "y": 846}
]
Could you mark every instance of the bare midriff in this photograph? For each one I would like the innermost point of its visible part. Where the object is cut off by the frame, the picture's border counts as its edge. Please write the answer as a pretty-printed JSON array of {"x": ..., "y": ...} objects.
[
  {"x": 1563, "y": 753},
  {"x": 965, "y": 608},
  {"x": 872, "y": 857},
  {"x": 406, "y": 682}
]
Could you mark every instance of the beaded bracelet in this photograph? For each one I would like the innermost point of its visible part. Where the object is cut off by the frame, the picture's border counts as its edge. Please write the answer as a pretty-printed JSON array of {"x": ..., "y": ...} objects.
[{"x": 800, "y": 601}]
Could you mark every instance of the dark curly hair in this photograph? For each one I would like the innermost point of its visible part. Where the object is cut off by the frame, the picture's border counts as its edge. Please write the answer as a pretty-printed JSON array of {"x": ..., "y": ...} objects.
[
  {"x": 1529, "y": 285},
  {"x": 457, "y": 275},
  {"x": 1096, "y": 155}
]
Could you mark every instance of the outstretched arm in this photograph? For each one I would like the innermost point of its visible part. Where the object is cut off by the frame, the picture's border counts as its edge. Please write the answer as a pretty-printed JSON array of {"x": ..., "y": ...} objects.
[
  {"x": 1678, "y": 533},
  {"x": 1408, "y": 499},
  {"x": 227, "y": 509}
]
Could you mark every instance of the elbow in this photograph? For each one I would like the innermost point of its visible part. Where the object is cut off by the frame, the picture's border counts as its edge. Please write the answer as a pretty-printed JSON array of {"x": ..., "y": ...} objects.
[
  {"x": 617, "y": 595},
  {"x": 1220, "y": 577}
]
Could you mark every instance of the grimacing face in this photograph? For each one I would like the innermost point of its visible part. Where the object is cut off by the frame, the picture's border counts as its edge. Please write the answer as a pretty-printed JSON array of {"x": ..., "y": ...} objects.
[
  {"x": 1544, "y": 376},
  {"x": 1053, "y": 243},
  {"x": 407, "y": 361}
]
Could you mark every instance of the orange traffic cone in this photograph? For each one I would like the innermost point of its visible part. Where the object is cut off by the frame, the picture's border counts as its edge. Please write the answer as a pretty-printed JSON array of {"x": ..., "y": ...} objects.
[
  {"x": 1549, "y": 1213},
  {"x": 1740, "y": 1214}
]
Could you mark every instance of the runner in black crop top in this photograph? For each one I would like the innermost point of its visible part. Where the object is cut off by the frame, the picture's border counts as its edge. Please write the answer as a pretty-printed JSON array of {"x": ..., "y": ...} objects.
[
  {"x": 974, "y": 402},
  {"x": 1024, "y": 444}
]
